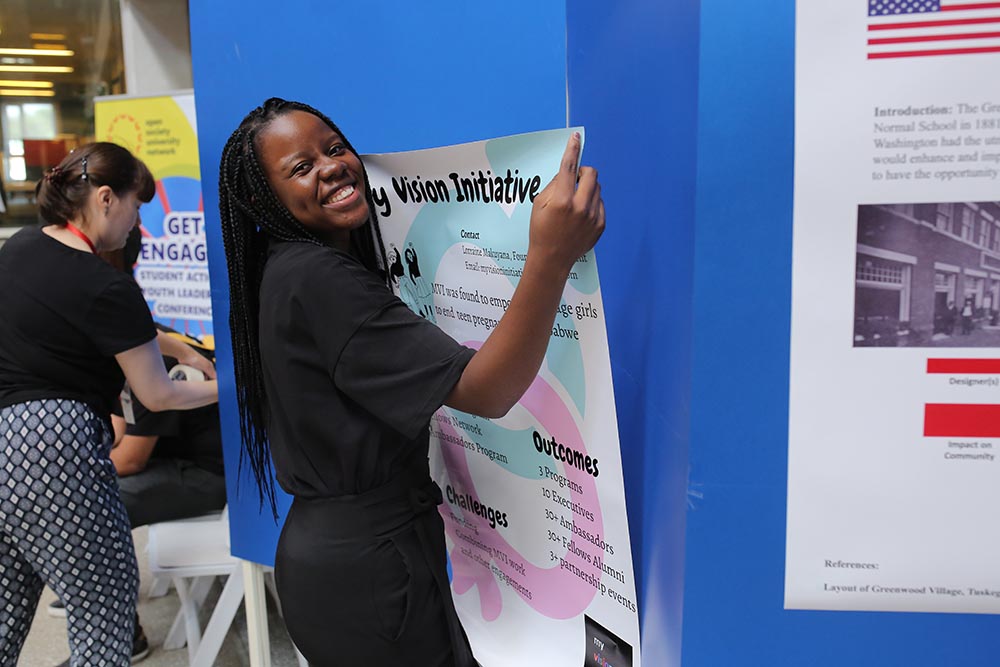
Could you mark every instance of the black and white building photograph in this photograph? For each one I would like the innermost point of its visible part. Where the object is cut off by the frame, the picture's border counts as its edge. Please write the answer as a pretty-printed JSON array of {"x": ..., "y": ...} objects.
[{"x": 928, "y": 275}]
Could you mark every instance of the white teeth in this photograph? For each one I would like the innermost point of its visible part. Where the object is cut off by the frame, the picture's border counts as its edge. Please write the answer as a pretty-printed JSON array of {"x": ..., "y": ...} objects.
[{"x": 341, "y": 194}]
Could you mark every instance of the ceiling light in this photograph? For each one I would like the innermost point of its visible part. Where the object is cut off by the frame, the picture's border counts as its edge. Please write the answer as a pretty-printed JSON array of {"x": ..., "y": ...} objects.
[
  {"x": 36, "y": 52},
  {"x": 47, "y": 36},
  {"x": 49, "y": 46},
  {"x": 25, "y": 84},
  {"x": 6, "y": 92},
  {"x": 36, "y": 68}
]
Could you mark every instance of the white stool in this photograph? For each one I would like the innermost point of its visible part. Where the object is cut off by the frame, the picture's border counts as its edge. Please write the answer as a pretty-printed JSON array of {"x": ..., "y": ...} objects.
[{"x": 191, "y": 553}]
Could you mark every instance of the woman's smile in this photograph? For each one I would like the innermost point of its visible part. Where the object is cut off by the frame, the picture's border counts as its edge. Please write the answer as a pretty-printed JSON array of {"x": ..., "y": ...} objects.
[{"x": 340, "y": 195}]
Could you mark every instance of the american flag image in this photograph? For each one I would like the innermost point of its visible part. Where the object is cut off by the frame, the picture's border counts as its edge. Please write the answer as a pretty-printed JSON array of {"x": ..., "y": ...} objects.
[{"x": 915, "y": 28}]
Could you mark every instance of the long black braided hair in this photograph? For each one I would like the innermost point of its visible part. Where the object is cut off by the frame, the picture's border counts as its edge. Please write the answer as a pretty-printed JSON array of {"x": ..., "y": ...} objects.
[{"x": 251, "y": 214}]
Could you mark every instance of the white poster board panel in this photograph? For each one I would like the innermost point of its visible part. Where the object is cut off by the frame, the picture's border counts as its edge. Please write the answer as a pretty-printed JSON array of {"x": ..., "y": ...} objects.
[
  {"x": 893, "y": 493},
  {"x": 534, "y": 502}
]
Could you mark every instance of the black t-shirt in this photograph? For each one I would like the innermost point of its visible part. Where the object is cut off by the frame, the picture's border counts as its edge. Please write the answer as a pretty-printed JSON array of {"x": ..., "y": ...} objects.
[
  {"x": 64, "y": 315},
  {"x": 352, "y": 375},
  {"x": 192, "y": 435}
]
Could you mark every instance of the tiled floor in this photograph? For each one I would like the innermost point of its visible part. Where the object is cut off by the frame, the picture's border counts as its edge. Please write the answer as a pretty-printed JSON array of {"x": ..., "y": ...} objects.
[{"x": 46, "y": 645}]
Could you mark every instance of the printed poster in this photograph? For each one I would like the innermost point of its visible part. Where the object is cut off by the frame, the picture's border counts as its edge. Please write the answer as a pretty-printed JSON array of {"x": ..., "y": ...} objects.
[
  {"x": 172, "y": 268},
  {"x": 894, "y": 426},
  {"x": 534, "y": 504}
]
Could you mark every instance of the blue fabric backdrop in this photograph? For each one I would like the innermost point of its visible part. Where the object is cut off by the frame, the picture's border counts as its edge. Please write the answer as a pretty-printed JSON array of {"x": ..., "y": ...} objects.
[
  {"x": 689, "y": 114},
  {"x": 633, "y": 74},
  {"x": 394, "y": 76}
]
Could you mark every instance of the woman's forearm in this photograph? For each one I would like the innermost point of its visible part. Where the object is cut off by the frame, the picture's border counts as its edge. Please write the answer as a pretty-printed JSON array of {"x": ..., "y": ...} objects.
[
  {"x": 185, "y": 395},
  {"x": 506, "y": 364},
  {"x": 143, "y": 368}
]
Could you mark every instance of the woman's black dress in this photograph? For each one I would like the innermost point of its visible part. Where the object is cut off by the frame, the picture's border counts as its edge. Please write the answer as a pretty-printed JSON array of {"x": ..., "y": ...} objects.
[{"x": 353, "y": 378}]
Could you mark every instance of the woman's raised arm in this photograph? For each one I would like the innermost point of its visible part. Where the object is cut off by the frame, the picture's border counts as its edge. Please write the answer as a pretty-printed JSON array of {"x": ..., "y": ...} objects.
[{"x": 566, "y": 221}]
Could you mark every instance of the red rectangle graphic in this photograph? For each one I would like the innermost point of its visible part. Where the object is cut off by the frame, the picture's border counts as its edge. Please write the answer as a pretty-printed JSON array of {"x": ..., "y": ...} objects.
[
  {"x": 964, "y": 366},
  {"x": 956, "y": 420}
]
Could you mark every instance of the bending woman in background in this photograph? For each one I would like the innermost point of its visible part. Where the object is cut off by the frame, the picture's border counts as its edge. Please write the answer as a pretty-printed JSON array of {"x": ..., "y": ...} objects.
[
  {"x": 337, "y": 380},
  {"x": 73, "y": 330}
]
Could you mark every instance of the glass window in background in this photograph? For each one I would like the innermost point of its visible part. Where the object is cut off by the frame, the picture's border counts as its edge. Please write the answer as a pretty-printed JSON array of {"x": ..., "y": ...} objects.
[{"x": 55, "y": 57}]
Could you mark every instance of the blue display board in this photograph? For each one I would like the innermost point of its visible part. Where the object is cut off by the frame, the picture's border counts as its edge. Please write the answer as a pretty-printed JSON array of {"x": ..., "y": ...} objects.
[
  {"x": 633, "y": 83},
  {"x": 394, "y": 76},
  {"x": 735, "y": 546},
  {"x": 689, "y": 108}
]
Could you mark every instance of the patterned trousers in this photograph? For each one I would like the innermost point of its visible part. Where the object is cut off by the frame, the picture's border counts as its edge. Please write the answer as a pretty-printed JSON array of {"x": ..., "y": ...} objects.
[{"x": 62, "y": 524}]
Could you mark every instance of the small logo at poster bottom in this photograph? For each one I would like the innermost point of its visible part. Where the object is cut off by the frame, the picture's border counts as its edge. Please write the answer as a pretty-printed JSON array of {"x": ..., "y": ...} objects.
[{"x": 605, "y": 648}]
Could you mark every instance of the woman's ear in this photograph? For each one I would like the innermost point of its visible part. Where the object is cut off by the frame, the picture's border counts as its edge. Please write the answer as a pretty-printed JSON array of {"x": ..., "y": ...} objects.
[{"x": 105, "y": 196}]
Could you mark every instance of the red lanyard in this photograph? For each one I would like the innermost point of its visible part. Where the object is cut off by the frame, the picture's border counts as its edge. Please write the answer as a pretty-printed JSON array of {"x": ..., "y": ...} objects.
[{"x": 90, "y": 244}]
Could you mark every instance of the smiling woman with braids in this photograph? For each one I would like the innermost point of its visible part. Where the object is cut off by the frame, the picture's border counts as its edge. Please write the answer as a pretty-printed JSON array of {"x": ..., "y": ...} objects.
[{"x": 337, "y": 380}]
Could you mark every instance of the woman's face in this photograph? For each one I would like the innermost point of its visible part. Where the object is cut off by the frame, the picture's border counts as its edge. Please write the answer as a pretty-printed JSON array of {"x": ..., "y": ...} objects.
[
  {"x": 314, "y": 175},
  {"x": 114, "y": 217}
]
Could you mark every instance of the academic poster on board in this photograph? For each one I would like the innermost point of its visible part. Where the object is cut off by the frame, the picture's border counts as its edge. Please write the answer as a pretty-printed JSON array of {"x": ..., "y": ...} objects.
[
  {"x": 172, "y": 267},
  {"x": 534, "y": 504},
  {"x": 894, "y": 427}
]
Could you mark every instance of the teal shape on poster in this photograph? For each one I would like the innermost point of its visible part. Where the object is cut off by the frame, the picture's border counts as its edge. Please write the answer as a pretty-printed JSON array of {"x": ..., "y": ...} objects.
[
  {"x": 513, "y": 450},
  {"x": 433, "y": 233}
]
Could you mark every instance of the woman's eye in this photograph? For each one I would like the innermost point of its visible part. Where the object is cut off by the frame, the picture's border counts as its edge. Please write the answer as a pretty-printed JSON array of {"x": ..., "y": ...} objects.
[
  {"x": 336, "y": 149},
  {"x": 301, "y": 168}
]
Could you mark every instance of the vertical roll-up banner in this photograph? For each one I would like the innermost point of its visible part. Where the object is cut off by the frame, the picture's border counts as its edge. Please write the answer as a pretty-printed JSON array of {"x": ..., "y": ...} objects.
[
  {"x": 172, "y": 268},
  {"x": 534, "y": 504},
  {"x": 894, "y": 452}
]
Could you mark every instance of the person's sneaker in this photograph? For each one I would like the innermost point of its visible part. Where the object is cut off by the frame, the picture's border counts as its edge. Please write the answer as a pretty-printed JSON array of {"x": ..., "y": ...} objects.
[
  {"x": 56, "y": 609},
  {"x": 140, "y": 645}
]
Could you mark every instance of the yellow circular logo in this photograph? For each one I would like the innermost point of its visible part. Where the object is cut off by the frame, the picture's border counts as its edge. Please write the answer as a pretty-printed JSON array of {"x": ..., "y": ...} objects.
[{"x": 126, "y": 131}]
